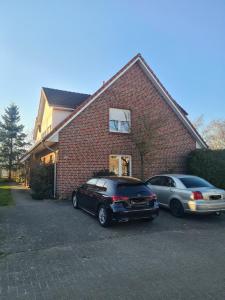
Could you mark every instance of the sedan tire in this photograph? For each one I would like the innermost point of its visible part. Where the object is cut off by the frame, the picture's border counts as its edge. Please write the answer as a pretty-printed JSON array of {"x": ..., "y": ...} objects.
[
  {"x": 176, "y": 208},
  {"x": 104, "y": 216}
]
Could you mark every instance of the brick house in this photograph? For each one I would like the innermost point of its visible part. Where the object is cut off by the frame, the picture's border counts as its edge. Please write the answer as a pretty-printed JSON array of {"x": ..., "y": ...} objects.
[{"x": 83, "y": 133}]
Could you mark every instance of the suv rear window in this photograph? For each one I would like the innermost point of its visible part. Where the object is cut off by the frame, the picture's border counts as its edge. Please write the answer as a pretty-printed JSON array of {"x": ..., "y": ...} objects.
[
  {"x": 132, "y": 189},
  {"x": 195, "y": 182}
]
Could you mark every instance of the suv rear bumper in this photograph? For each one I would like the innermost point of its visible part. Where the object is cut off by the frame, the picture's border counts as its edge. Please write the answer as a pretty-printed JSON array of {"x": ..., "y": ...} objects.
[{"x": 134, "y": 214}]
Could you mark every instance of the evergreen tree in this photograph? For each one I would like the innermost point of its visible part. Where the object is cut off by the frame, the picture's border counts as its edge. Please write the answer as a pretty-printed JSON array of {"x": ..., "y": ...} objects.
[{"x": 12, "y": 139}]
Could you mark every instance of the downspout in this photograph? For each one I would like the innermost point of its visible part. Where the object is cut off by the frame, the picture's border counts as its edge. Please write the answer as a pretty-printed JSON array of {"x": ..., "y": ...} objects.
[{"x": 54, "y": 151}]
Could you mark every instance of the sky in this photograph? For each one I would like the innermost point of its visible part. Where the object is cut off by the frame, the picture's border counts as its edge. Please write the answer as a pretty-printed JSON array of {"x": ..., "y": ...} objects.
[{"x": 76, "y": 45}]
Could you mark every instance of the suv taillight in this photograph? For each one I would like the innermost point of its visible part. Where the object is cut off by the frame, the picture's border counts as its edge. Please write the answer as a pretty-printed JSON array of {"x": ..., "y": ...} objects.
[
  {"x": 196, "y": 195},
  {"x": 119, "y": 198}
]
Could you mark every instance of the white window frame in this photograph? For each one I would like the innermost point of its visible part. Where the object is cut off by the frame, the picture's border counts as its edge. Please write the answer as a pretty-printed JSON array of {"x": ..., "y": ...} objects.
[
  {"x": 118, "y": 111},
  {"x": 120, "y": 163}
]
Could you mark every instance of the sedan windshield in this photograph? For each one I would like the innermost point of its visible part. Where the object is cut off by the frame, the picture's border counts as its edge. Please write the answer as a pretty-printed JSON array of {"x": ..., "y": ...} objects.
[{"x": 195, "y": 182}]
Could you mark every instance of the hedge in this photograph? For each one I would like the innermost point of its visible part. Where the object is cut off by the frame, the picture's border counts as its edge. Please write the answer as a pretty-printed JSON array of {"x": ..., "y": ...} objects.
[
  {"x": 208, "y": 164},
  {"x": 42, "y": 181},
  {"x": 103, "y": 172}
]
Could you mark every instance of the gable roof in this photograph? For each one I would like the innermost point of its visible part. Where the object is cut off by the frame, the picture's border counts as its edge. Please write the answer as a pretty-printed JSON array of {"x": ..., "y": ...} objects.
[
  {"x": 180, "y": 112},
  {"x": 64, "y": 99},
  {"x": 182, "y": 115}
]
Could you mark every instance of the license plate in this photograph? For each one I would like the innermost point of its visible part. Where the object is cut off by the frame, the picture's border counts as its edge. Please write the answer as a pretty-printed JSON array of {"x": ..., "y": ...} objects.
[{"x": 138, "y": 203}]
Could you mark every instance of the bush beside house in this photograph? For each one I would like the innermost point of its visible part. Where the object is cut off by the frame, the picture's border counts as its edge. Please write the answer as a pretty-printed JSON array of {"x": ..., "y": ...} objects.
[
  {"x": 209, "y": 164},
  {"x": 42, "y": 181},
  {"x": 103, "y": 172}
]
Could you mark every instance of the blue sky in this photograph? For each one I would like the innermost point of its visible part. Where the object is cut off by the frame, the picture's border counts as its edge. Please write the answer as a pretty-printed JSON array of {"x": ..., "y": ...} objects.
[{"x": 76, "y": 45}]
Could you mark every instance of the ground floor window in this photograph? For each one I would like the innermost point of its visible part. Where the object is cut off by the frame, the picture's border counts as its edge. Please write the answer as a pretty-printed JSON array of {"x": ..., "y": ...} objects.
[{"x": 120, "y": 164}]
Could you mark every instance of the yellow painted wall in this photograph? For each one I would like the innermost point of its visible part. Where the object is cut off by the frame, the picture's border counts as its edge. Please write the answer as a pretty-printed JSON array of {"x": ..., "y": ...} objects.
[{"x": 46, "y": 124}]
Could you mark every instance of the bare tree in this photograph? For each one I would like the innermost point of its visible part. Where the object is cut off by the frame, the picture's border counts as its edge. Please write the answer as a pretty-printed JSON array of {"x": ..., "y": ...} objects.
[
  {"x": 199, "y": 122},
  {"x": 214, "y": 134},
  {"x": 148, "y": 136}
]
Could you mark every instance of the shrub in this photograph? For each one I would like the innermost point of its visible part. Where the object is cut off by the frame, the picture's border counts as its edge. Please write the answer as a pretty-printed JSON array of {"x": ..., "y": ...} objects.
[
  {"x": 2, "y": 180},
  {"x": 103, "y": 172},
  {"x": 42, "y": 181},
  {"x": 209, "y": 164}
]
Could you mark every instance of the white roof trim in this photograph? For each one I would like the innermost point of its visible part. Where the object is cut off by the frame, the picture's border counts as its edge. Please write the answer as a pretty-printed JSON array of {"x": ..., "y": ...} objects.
[
  {"x": 53, "y": 138},
  {"x": 157, "y": 84}
]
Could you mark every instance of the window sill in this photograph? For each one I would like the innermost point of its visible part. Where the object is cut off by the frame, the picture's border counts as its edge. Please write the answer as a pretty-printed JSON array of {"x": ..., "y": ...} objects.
[{"x": 119, "y": 132}]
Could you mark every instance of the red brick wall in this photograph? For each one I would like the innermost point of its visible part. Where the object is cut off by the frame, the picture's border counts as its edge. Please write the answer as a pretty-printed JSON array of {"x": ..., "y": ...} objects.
[{"x": 86, "y": 143}]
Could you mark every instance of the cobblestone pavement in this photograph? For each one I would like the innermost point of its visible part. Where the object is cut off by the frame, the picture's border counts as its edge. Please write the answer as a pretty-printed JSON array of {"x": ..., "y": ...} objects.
[{"x": 51, "y": 251}]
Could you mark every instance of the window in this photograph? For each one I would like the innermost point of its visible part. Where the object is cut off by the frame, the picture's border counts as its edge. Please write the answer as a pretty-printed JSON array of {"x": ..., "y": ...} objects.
[
  {"x": 154, "y": 181},
  {"x": 171, "y": 182},
  {"x": 101, "y": 185},
  {"x": 132, "y": 189},
  {"x": 92, "y": 181},
  {"x": 195, "y": 182},
  {"x": 119, "y": 120},
  {"x": 161, "y": 181},
  {"x": 120, "y": 164}
]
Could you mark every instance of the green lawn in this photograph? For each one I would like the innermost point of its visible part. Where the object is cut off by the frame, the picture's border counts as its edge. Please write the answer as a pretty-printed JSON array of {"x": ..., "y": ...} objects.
[{"x": 5, "y": 195}]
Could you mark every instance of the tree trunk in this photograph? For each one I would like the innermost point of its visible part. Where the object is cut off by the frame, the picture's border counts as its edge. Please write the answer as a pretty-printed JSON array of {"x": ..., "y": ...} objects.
[
  {"x": 10, "y": 161},
  {"x": 10, "y": 174},
  {"x": 142, "y": 167}
]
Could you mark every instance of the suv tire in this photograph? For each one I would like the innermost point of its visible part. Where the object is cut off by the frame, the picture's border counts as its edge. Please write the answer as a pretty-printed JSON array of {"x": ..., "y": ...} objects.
[
  {"x": 75, "y": 201},
  {"x": 104, "y": 216}
]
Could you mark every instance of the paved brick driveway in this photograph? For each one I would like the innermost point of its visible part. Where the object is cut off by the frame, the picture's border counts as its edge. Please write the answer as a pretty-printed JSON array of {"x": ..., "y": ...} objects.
[{"x": 50, "y": 251}]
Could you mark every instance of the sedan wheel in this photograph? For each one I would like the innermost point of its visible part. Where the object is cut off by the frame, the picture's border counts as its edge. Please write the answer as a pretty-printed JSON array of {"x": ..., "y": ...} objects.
[
  {"x": 75, "y": 201},
  {"x": 176, "y": 208},
  {"x": 104, "y": 216}
]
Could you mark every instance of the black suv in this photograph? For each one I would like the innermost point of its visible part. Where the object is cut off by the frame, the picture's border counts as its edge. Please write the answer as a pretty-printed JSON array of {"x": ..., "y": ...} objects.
[{"x": 116, "y": 198}]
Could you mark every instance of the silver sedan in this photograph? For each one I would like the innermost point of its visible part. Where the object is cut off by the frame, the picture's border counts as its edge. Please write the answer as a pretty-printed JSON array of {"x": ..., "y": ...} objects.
[{"x": 186, "y": 193}]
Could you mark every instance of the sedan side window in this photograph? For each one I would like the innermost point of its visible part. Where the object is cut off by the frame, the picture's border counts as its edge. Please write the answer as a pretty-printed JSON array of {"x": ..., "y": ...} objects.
[
  {"x": 168, "y": 181},
  {"x": 158, "y": 180},
  {"x": 162, "y": 181},
  {"x": 172, "y": 182}
]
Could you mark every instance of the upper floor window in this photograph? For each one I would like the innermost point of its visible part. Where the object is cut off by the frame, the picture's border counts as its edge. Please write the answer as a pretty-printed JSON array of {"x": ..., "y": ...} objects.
[{"x": 119, "y": 120}]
